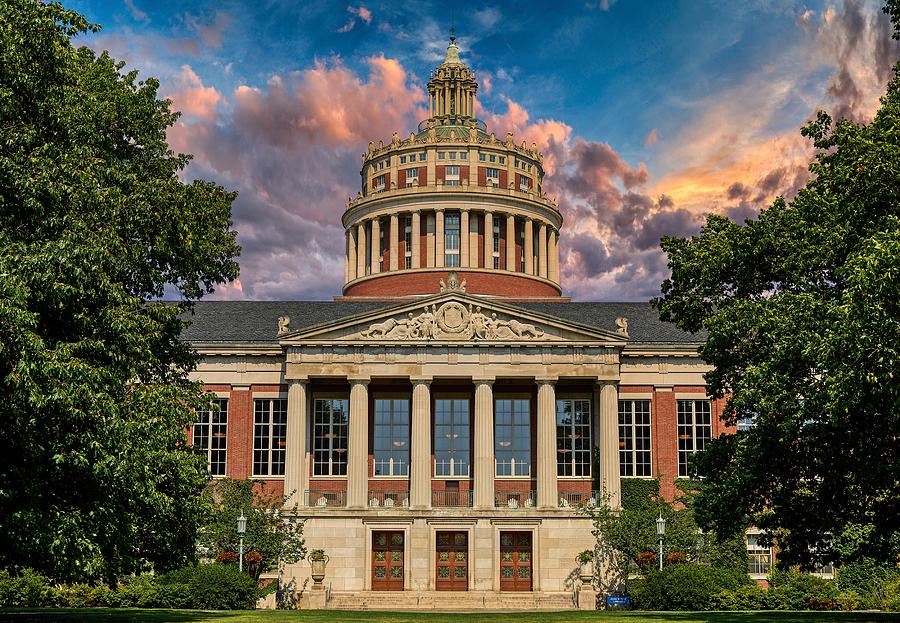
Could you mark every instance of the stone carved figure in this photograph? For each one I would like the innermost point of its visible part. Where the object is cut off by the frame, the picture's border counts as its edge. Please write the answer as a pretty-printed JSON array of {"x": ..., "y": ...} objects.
[
  {"x": 452, "y": 321},
  {"x": 453, "y": 284},
  {"x": 284, "y": 324},
  {"x": 509, "y": 139},
  {"x": 622, "y": 326},
  {"x": 432, "y": 135},
  {"x": 473, "y": 135},
  {"x": 395, "y": 138}
]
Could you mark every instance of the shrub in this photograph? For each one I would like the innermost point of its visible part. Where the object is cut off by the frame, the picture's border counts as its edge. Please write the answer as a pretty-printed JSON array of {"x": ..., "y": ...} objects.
[
  {"x": 208, "y": 587},
  {"x": 135, "y": 591},
  {"x": 84, "y": 596},
  {"x": 850, "y": 600},
  {"x": 749, "y": 597},
  {"x": 868, "y": 579},
  {"x": 792, "y": 590},
  {"x": 684, "y": 587},
  {"x": 27, "y": 589},
  {"x": 891, "y": 596}
]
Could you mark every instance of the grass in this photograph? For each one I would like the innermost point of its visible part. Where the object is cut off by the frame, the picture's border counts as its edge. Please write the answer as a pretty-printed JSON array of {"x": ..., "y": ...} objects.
[{"x": 103, "y": 615}]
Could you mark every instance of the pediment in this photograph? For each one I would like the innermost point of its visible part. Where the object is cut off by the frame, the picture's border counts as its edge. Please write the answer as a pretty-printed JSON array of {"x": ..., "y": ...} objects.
[{"x": 453, "y": 317}]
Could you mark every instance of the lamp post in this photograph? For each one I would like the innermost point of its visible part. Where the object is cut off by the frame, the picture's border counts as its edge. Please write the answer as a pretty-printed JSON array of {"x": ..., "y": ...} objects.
[
  {"x": 661, "y": 531},
  {"x": 241, "y": 530}
]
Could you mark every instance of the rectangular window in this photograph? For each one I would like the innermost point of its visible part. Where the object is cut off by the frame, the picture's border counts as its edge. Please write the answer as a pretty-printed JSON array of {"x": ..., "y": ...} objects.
[
  {"x": 411, "y": 174},
  {"x": 493, "y": 158},
  {"x": 463, "y": 155},
  {"x": 451, "y": 175},
  {"x": 451, "y": 437},
  {"x": 521, "y": 246},
  {"x": 422, "y": 157},
  {"x": 760, "y": 556},
  {"x": 269, "y": 436},
  {"x": 482, "y": 157},
  {"x": 452, "y": 155},
  {"x": 496, "y": 252},
  {"x": 402, "y": 159},
  {"x": 412, "y": 157},
  {"x": 451, "y": 239},
  {"x": 634, "y": 438},
  {"x": 331, "y": 421},
  {"x": 512, "y": 430},
  {"x": 407, "y": 239},
  {"x": 379, "y": 182},
  {"x": 524, "y": 183},
  {"x": 442, "y": 155},
  {"x": 745, "y": 423},
  {"x": 694, "y": 430},
  {"x": 392, "y": 437},
  {"x": 573, "y": 437},
  {"x": 492, "y": 177},
  {"x": 502, "y": 160},
  {"x": 210, "y": 434},
  {"x": 387, "y": 161},
  {"x": 380, "y": 246}
]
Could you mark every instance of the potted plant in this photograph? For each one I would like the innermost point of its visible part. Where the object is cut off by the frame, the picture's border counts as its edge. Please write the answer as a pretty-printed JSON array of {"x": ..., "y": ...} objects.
[
  {"x": 586, "y": 561},
  {"x": 317, "y": 560}
]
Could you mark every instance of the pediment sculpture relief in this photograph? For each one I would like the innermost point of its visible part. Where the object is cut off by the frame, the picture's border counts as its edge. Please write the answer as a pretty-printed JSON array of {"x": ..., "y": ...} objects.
[{"x": 451, "y": 321}]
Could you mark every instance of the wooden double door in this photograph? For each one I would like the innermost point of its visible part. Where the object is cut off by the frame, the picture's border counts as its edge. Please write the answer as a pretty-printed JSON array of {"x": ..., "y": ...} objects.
[
  {"x": 388, "y": 566},
  {"x": 515, "y": 561},
  {"x": 452, "y": 561}
]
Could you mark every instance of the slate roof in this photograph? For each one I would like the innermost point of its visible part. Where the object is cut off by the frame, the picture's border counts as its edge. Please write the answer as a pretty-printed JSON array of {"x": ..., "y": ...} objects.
[{"x": 256, "y": 321}]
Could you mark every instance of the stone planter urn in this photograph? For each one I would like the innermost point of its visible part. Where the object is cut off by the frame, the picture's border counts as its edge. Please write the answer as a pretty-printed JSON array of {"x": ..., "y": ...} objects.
[
  {"x": 317, "y": 560},
  {"x": 587, "y": 572}
]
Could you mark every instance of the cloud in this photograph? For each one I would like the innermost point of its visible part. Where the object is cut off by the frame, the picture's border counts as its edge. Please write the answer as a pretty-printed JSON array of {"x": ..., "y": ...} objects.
[
  {"x": 136, "y": 13},
  {"x": 192, "y": 98},
  {"x": 360, "y": 12},
  {"x": 487, "y": 17},
  {"x": 651, "y": 138},
  {"x": 291, "y": 149},
  {"x": 210, "y": 32}
]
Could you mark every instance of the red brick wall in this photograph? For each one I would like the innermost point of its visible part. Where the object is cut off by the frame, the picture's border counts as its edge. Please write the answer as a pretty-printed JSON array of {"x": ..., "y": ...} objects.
[
  {"x": 482, "y": 176},
  {"x": 240, "y": 435},
  {"x": 504, "y": 178},
  {"x": 664, "y": 431},
  {"x": 401, "y": 178},
  {"x": 439, "y": 172},
  {"x": 423, "y": 176},
  {"x": 427, "y": 283},
  {"x": 463, "y": 173},
  {"x": 519, "y": 226}
]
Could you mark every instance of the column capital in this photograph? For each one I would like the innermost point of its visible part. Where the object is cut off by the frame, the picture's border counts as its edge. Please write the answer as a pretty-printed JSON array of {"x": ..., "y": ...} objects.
[
  {"x": 300, "y": 380},
  {"x": 483, "y": 381},
  {"x": 359, "y": 380},
  {"x": 439, "y": 209},
  {"x": 546, "y": 380},
  {"x": 601, "y": 383},
  {"x": 420, "y": 380},
  {"x": 464, "y": 209}
]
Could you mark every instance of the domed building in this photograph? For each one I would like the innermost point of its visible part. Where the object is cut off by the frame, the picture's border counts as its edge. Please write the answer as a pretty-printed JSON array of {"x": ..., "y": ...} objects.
[{"x": 441, "y": 421}]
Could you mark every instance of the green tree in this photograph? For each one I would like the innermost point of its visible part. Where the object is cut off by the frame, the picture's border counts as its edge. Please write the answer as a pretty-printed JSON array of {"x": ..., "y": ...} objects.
[
  {"x": 95, "y": 478},
  {"x": 802, "y": 314},
  {"x": 273, "y": 535}
]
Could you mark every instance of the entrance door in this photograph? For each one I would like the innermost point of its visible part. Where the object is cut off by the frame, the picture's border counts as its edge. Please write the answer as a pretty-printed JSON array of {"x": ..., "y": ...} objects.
[
  {"x": 452, "y": 561},
  {"x": 387, "y": 561},
  {"x": 515, "y": 561}
]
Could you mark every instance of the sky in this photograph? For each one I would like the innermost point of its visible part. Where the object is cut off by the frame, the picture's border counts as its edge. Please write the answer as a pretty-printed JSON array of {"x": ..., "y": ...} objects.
[{"x": 650, "y": 114}]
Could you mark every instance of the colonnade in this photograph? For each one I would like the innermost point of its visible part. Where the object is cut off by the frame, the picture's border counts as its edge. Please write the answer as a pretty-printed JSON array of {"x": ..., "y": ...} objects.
[
  {"x": 605, "y": 399},
  {"x": 364, "y": 237}
]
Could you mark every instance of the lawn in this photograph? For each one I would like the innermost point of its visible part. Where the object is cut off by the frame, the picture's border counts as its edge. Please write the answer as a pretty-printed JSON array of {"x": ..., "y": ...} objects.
[{"x": 320, "y": 616}]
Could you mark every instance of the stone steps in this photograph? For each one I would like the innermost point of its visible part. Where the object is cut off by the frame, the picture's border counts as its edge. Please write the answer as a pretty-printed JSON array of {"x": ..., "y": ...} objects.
[{"x": 446, "y": 600}]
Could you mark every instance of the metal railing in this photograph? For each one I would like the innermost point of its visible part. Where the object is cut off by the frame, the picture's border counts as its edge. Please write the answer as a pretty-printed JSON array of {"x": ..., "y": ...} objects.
[
  {"x": 395, "y": 498},
  {"x": 319, "y": 499},
  {"x": 579, "y": 498},
  {"x": 514, "y": 499},
  {"x": 449, "y": 498}
]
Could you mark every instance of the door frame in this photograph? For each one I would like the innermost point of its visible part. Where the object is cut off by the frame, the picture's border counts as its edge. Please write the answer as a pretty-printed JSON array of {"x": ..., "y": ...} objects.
[
  {"x": 443, "y": 525},
  {"x": 452, "y": 548},
  {"x": 390, "y": 526},
  {"x": 533, "y": 527}
]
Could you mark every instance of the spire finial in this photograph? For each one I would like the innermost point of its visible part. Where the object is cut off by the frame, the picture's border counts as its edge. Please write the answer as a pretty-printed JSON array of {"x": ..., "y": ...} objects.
[{"x": 452, "y": 26}]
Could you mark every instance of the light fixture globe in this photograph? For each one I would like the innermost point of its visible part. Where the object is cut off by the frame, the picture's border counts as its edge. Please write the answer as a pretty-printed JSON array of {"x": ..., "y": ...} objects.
[
  {"x": 242, "y": 524},
  {"x": 660, "y": 525}
]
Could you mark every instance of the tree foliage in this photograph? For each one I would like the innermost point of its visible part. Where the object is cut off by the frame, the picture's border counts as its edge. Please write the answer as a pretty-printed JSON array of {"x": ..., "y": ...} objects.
[
  {"x": 802, "y": 313},
  {"x": 274, "y": 535},
  {"x": 95, "y": 480}
]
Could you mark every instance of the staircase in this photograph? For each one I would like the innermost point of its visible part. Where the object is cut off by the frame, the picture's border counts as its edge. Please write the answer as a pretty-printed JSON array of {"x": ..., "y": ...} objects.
[{"x": 446, "y": 600}]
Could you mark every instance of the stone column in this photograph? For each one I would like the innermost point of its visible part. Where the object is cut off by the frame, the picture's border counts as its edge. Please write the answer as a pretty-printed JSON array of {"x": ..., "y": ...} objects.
[
  {"x": 351, "y": 257},
  {"x": 488, "y": 241},
  {"x": 376, "y": 246},
  {"x": 484, "y": 444},
  {"x": 547, "y": 491},
  {"x": 358, "y": 446},
  {"x": 395, "y": 241},
  {"x": 542, "y": 251},
  {"x": 609, "y": 441},
  {"x": 464, "y": 238},
  {"x": 296, "y": 443},
  {"x": 529, "y": 246},
  {"x": 510, "y": 243},
  {"x": 439, "y": 238},
  {"x": 361, "y": 249},
  {"x": 429, "y": 240},
  {"x": 553, "y": 255},
  {"x": 420, "y": 445},
  {"x": 416, "y": 238}
]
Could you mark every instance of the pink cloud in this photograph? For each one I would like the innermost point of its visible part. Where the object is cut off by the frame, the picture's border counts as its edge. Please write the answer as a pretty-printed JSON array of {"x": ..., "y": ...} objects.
[
  {"x": 361, "y": 12},
  {"x": 210, "y": 32},
  {"x": 651, "y": 137},
  {"x": 192, "y": 98}
]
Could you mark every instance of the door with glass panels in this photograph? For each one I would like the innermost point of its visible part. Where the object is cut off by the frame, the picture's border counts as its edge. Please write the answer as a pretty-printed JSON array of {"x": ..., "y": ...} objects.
[
  {"x": 452, "y": 573},
  {"x": 515, "y": 561},
  {"x": 387, "y": 561}
]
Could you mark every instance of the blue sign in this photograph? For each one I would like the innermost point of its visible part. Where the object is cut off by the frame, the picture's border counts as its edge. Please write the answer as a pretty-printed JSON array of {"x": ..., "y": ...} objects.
[{"x": 618, "y": 600}]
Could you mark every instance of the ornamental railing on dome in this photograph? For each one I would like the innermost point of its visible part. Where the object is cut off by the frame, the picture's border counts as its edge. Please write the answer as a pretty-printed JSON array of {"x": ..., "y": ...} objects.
[
  {"x": 455, "y": 121},
  {"x": 462, "y": 188},
  {"x": 317, "y": 498}
]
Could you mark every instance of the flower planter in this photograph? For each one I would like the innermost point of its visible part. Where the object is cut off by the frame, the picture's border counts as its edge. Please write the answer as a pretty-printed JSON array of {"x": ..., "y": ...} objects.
[{"x": 318, "y": 570}]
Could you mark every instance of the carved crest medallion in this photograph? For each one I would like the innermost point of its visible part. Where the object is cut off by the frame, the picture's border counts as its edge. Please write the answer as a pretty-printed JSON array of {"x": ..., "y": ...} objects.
[{"x": 451, "y": 321}]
